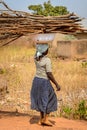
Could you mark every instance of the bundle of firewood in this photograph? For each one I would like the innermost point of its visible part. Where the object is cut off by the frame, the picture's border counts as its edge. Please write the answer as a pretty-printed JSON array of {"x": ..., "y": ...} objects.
[{"x": 14, "y": 24}]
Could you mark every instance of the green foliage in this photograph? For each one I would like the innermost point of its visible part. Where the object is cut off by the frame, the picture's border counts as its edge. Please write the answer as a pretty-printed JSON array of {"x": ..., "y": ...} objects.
[
  {"x": 84, "y": 64},
  {"x": 60, "y": 10},
  {"x": 67, "y": 111},
  {"x": 37, "y": 9},
  {"x": 77, "y": 112},
  {"x": 47, "y": 9},
  {"x": 70, "y": 37},
  {"x": 2, "y": 71},
  {"x": 82, "y": 109}
]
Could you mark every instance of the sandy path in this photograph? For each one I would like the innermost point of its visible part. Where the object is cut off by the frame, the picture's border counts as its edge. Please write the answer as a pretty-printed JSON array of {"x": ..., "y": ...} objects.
[{"x": 25, "y": 122}]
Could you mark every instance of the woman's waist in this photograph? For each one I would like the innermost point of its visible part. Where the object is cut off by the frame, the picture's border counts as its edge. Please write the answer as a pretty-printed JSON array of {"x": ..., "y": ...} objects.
[{"x": 41, "y": 76}]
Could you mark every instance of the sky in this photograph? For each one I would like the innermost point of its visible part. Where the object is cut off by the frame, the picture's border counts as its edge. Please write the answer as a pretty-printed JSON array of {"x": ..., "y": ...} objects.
[{"x": 79, "y": 7}]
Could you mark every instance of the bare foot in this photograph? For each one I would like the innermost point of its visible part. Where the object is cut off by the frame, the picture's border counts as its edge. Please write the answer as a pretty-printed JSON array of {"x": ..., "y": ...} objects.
[
  {"x": 39, "y": 122},
  {"x": 46, "y": 123}
]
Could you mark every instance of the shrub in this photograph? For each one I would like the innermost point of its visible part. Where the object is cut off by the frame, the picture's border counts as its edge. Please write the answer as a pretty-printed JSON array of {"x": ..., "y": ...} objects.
[
  {"x": 67, "y": 111},
  {"x": 82, "y": 110},
  {"x": 84, "y": 64}
]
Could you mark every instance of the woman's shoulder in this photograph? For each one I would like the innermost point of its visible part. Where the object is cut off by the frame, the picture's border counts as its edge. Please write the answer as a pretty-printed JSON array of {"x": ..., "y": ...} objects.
[{"x": 47, "y": 59}]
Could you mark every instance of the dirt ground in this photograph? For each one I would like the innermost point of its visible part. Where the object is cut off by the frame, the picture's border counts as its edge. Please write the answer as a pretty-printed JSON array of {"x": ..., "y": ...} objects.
[{"x": 10, "y": 121}]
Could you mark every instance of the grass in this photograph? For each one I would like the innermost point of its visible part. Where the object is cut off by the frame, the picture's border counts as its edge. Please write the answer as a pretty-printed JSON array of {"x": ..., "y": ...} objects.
[
  {"x": 18, "y": 69},
  {"x": 15, "y": 53}
]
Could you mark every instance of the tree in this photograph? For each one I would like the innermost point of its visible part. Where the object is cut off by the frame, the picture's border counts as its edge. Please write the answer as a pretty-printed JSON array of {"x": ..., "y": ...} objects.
[
  {"x": 37, "y": 9},
  {"x": 47, "y": 9}
]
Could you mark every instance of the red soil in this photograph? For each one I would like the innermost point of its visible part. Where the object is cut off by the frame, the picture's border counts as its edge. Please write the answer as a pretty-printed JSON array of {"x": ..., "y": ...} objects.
[{"x": 25, "y": 122}]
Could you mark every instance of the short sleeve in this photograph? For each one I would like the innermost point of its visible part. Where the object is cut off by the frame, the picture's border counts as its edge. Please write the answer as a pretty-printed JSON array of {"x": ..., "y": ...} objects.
[{"x": 48, "y": 65}]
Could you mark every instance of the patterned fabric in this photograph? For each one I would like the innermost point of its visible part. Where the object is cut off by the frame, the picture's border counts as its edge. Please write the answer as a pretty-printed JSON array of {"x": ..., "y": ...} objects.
[{"x": 43, "y": 97}]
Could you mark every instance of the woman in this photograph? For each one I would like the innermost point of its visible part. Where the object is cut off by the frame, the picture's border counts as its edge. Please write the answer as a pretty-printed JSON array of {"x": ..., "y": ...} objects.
[{"x": 43, "y": 97}]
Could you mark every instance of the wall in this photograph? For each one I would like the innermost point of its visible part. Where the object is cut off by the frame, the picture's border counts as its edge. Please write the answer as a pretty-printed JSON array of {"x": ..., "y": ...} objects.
[
  {"x": 81, "y": 35},
  {"x": 72, "y": 49}
]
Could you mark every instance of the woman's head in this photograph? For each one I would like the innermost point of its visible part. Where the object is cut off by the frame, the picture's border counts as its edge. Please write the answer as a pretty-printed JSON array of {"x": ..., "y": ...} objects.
[{"x": 41, "y": 49}]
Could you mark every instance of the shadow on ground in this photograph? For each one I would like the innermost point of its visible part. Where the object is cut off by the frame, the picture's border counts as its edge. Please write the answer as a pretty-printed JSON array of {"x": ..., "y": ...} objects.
[
  {"x": 35, "y": 119},
  {"x": 12, "y": 114}
]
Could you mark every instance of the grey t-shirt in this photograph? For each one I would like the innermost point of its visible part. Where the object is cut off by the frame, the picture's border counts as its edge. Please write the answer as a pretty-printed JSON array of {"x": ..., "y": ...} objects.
[{"x": 43, "y": 66}]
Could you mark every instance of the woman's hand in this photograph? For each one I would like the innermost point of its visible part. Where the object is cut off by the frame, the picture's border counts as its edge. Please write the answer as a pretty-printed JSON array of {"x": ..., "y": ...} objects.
[{"x": 58, "y": 87}]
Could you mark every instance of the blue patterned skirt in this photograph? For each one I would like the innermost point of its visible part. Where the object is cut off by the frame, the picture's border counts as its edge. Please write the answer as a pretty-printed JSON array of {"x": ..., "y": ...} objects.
[{"x": 43, "y": 97}]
